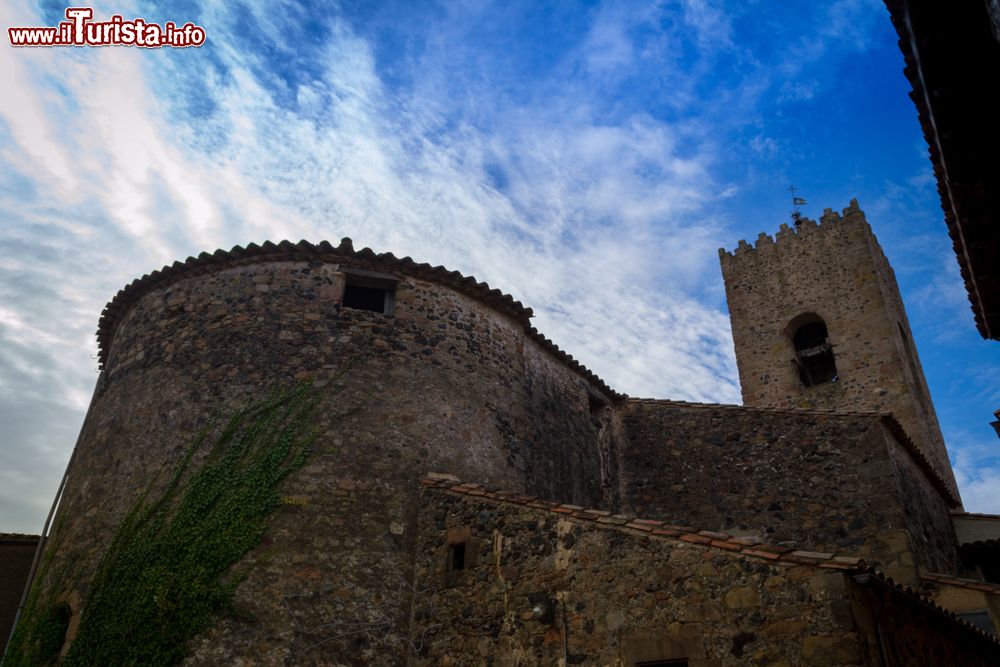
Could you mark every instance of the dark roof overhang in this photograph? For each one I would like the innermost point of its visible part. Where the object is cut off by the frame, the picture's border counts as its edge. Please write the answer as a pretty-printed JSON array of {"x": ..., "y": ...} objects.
[{"x": 952, "y": 55}]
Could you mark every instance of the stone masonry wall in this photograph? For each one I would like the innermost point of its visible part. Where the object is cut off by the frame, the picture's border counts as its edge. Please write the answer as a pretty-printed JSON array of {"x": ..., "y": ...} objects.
[
  {"x": 445, "y": 382},
  {"x": 834, "y": 269},
  {"x": 926, "y": 515},
  {"x": 623, "y": 591},
  {"x": 820, "y": 481},
  {"x": 350, "y": 569},
  {"x": 621, "y": 596}
]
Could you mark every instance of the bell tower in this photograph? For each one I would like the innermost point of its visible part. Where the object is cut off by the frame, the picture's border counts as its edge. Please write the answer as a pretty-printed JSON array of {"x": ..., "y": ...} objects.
[{"x": 818, "y": 323}]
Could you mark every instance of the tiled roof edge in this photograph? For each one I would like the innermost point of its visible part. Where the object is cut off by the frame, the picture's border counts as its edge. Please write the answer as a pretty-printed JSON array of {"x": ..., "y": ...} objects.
[
  {"x": 18, "y": 537},
  {"x": 918, "y": 457},
  {"x": 286, "y": 251},
  {"x": 927, "y": 128},
  {"x": 886, "y": 418},
  {"x": 654, "y": 528},
  {"x": 709, "y": 539},
  {"x": 974, "y": 515},
  {"x": 973, "y": 548},
  {"x": 756, "y": 408},
  {"x": 959, "y": 582},
  {"x": 926, "y": 601}
]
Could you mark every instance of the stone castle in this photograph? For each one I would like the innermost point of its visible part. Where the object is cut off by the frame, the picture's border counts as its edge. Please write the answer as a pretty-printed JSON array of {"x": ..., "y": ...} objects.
[{"x": 474, "y": 496}]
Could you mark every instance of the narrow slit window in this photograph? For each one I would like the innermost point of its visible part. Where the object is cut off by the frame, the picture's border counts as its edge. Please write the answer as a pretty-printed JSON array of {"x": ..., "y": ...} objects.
[
  {"x": 456, "y": 556},
  {"x": 814, "y": 353}
]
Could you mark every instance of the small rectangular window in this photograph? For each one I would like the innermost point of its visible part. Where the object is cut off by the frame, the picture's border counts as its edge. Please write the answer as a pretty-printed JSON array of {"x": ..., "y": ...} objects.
[
  {"x": 456, "y": 557},
  {"x": 369, "y": 290},
  {"x": 365, "y": 298}
]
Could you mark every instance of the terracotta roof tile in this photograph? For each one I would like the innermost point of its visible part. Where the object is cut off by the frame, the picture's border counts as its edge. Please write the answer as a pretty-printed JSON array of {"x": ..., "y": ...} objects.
[
  {"x": 713, "y": 534},
  {"x": 810, "y": 555},
  {"x": 645, "y": 527},
  {"x": 668, "y": 532},
  {"x": 847, "y": 560},
  {"x": 611, "y": 521},
  {"x": 760, "y": 553},
  {"x": 774, "y": 548}
]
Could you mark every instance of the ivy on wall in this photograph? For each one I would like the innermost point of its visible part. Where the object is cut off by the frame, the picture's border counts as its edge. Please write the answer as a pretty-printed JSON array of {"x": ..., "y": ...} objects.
[{"x": 167, "y": 570}]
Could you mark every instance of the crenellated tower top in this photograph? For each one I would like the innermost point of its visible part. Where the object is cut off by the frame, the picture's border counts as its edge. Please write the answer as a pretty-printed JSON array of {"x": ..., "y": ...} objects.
[
  {"x": 818, "y": 322},
  {"x": 830, "y": 218}
]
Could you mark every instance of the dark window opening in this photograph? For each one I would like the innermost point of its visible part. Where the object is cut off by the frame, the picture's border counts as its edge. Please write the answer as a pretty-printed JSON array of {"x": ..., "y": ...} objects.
[
  {"x": 677, "y": 662},
  {"x": 369, "y": 290},
  {"x": 814, "y": 354},
  {"x": 456, "y": 557},
  {"x": 365, "y": 298},
  {"x": 598, "y": 405},
  {"x": 991, "y": 570}
]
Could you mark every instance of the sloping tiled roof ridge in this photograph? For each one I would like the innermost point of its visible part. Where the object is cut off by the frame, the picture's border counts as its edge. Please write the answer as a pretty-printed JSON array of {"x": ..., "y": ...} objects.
[
  {"x": 920, "y": 598},
  {"x": 745, "y": 546},
  {"x": 304, "y": 251},
  {"x": 887, "y": 418},
  {"x": 959, "y": 582}
]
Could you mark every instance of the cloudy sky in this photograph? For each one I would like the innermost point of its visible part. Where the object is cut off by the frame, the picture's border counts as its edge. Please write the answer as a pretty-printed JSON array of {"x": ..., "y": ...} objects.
[{"x": 589, "y": 159}]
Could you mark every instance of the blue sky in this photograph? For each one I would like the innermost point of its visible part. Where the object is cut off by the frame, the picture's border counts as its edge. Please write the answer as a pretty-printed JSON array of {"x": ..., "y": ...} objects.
[{"x": 590, "y": 159}]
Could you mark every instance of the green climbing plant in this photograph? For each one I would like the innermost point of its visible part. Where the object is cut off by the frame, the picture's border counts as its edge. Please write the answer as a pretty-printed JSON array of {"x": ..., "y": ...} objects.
[{"x": 168, "y": 570}]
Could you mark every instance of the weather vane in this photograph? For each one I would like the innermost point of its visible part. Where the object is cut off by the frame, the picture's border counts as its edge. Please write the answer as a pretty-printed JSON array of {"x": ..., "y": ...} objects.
[{"x": 796, "y": 202}]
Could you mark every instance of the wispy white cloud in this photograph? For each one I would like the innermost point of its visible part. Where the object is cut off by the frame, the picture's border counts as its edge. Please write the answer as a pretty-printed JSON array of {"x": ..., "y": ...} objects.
[
  {"x": 711, "y": 23},
  {"x": 539, "y": 196},
  {"x": 976, "y": 461}
]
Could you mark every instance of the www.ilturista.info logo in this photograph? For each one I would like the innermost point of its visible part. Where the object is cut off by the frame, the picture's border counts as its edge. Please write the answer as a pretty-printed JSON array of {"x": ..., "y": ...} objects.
[{"x": 79, "y": 30}]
